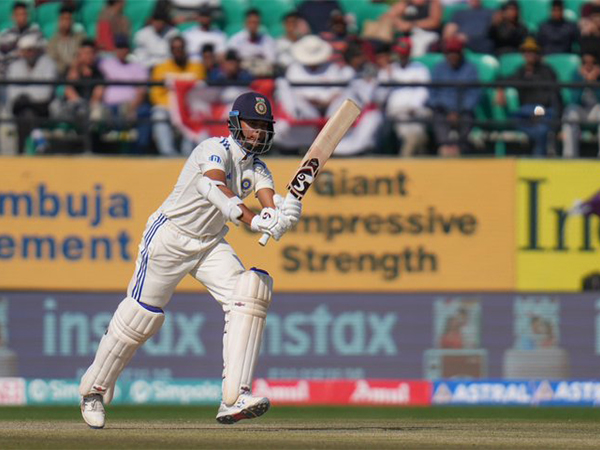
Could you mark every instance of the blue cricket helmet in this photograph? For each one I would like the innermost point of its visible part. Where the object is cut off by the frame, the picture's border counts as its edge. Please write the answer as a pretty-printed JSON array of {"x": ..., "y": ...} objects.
[{"x": 251, "y": 106}]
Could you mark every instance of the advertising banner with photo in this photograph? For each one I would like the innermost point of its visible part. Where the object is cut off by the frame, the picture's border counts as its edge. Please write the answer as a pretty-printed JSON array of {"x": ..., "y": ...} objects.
[
  {"x": 365, "y": 336},
  {"x": 558, "y": 225},
  {"x": 368, "y": 225}
]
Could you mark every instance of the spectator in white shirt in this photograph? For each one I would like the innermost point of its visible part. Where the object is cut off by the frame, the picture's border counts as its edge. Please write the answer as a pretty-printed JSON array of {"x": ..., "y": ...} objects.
[
  {"x": 30, "y": 102},
  {"x": 152, "y": 42},
  {"x": 405, "y": 106},
  {"x": 256, "y": 48},
  {"x": 204, "y": 33},
  {"x": 283, "y": 45},
  {"x": 312, "y": 64}
]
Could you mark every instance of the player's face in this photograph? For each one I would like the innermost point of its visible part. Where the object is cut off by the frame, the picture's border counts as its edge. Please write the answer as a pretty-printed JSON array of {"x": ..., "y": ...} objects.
[{"x": 254, "y": 131}]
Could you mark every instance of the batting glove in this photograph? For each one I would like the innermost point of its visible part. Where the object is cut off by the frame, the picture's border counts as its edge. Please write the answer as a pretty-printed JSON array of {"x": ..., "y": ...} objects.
[
  {"x": 292, "y": 208},
  {"x": 270, "y": 221}
]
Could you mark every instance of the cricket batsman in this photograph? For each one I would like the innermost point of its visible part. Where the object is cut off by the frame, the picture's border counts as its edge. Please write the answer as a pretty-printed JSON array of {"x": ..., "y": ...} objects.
[{"x": 186, "y": 235}]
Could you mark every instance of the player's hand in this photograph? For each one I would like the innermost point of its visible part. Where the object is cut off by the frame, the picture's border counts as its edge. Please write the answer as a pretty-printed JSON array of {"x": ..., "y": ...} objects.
[
  {"x": 270, "y": 221},
  {"x": 291, "y": 207}
]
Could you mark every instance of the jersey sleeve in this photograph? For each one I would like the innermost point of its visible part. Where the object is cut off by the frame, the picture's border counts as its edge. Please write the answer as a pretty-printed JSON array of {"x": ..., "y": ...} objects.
[
  {"x": 212, "y": 155},
  {"x": 262, "y": 176}
]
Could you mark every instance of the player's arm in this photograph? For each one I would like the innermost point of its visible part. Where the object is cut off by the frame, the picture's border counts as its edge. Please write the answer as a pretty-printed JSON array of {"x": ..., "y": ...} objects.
[
  {"x": 219, "y": 177},
  {"x": 265, "y": 197}
]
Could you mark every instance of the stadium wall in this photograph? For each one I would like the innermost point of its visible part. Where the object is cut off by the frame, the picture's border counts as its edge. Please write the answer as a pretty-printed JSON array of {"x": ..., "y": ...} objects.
[{"x": 405, "y": 278}]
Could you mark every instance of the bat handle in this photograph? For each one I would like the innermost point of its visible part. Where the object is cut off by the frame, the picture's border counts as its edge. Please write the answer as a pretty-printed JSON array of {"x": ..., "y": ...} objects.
[{"x": 264, "y": 239}]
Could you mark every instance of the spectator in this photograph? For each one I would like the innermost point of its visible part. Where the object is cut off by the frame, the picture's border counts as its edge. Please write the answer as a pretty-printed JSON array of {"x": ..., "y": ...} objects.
[
  {"x": 185, "y": 10},
  {"x": 453, "y": 109},
  {"x": 507, "y": 31},
  {"x": 82, "y": 103},
  {"x": 585, "y": 107},
  {"x": 112, "y": 23},
  {"x": 283, "y": 45},
  {"x": 538, "y": 104},
  {"x": 419, "y": 19},
  {"x": 30, "y": 102},
  {"x": 406, "y": 106},
  {"x": 338, "y": 36},
  {"x": 209, "y": 61},
  {"x": 361, "y": 75},
  {"x": 63, "y": 46},
  {"x": 10, "y": 37},
  {"x": 127, "y": 103},
  {"x": 178, "y": 66},
  {"x": 204, "y": 33},
  {"x": 230, "y": 70},
  {"x": 558, "y": 35},
  {"x": 316, "y": 14},
  {"x": 152, "y": 41},
  {"x": 312, "y": 65},
  {"x": 589, "y": 27},
  {"x": 82, "y": 98},
  {"x": 473, "y": 27},
  {"x": 256, "y": 48}
]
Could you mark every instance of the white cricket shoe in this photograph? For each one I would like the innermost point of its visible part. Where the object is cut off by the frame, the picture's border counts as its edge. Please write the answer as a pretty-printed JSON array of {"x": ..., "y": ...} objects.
[
  {"x": 92, "y": 410},
  {"x": 246, "y": 407}
]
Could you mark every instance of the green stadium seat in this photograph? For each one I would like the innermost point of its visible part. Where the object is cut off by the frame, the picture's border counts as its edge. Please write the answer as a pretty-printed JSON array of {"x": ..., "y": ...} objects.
[
  {"x": 272, "y": 13},
  {"x": 186, "y": 26},
  {"x": 90, "y": 10},
  {"x": 565, "y": 66},
  {"x": 234, "y": 14},
  {"x": 430, "y": 60},
  {"x": 493, "y": 4},
  {"x": 450, "y": 9},
  {"x": 46, "y": 16},
  {"x": 510, "y": 63},
  {"x": 534, "y": 12},
  {"x": 6, "y": 14},
  {"x": 575, "y": 7},
  {"x": 138, "y": 12}
]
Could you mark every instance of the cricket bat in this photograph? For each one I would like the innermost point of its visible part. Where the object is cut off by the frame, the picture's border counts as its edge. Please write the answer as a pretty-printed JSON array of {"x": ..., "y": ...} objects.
[{"x": 320, "y": 151}]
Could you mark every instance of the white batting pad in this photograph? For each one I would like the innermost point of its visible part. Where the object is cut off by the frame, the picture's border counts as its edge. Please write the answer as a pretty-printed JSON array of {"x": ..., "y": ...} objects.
[
  {"x": 244, "y": 329},
  {"x": 131, "y": 326}
]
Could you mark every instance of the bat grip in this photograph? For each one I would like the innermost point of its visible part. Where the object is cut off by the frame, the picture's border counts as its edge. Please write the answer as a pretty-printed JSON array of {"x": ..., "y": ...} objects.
[{"x": 264, "y": 239}]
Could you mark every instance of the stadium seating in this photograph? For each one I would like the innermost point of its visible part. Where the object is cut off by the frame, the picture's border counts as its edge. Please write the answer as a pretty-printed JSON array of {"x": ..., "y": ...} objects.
[
  {"x": 534, "y": 12},
  {"x": 272, "y": 13},
  {"x": 89, "y": 12},
  {"x": 510, "y": 63},
  {"x": 234, "y": 12},
  {"x": 46, "y": 15},
  {"x": 6, "y": 14},
  {"x": 565, "y": 66},
  {"x": 138, "y": 13},
  {"x": 575, "y": 6}
]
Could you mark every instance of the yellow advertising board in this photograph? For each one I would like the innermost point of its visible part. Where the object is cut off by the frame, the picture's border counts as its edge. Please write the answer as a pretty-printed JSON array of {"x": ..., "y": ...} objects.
[
  {"x": 368, "y": 225},
  {"x": 557, "y": 248}
]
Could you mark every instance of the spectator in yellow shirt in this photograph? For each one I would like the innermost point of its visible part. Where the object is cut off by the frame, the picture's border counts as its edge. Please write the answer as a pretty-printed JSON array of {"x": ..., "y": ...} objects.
[{"x": 179, "y": 66}]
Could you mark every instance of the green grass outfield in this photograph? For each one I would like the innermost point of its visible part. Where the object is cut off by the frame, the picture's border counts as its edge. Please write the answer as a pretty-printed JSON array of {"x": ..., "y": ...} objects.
[{"x": 183, "y": 427}]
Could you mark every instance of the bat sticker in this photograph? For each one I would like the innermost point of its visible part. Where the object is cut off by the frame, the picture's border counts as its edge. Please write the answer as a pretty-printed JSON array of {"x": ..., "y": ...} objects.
[{"x": 304, "y": 178}]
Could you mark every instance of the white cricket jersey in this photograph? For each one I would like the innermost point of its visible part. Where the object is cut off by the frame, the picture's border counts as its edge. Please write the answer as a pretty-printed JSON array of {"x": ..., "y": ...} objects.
[{"x": 245, "y": 173}]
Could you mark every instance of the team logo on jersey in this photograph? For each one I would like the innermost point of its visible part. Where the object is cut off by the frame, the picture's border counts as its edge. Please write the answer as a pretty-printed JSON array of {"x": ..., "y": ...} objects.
[
  {"x": 246, "y": 184},
  {"x": 215, "y": 158},
  {"x": 261, "y": 106},
  {"x": 304, "y": 178}
]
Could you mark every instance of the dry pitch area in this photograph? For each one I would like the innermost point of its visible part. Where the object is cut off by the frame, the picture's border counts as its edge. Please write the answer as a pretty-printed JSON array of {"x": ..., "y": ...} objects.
[{"x": 163, "y": 427}]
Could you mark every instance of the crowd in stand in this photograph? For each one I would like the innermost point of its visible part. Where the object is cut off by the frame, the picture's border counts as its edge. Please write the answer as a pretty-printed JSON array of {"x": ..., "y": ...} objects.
[{"x": 410, "y": 41}]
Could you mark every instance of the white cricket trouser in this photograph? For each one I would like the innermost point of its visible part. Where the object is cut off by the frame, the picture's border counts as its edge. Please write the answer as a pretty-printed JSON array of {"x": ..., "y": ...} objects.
[{"x": 166, "y": 255}]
